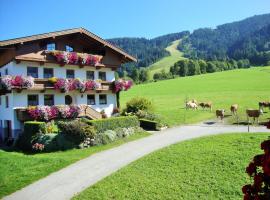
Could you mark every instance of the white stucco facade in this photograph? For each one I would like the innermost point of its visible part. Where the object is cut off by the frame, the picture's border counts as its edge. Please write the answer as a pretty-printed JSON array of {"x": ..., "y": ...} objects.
[{"x": 10, "y": 101}]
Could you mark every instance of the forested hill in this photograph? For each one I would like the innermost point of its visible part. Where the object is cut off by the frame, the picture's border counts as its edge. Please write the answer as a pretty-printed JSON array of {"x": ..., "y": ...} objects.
[
  {"x": 147, "y": 51},
  {"x": 248, "y": 38},
  {"x": 245, "y": 39}
]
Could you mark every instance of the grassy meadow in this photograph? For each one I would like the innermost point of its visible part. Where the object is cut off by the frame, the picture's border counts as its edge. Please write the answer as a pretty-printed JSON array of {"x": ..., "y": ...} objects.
[
  {"x": 205, "y": 168},
  {"x": 168, "y": 61},
  {"x": 245, "y": 87},
  {"x": 18, "y": 170}
]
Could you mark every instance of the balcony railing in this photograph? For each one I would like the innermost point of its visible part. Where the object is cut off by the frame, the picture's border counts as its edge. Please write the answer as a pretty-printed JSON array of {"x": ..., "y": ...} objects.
[
  {"x": 45, "y": 84},
  {"x": 85, "y": 111}
]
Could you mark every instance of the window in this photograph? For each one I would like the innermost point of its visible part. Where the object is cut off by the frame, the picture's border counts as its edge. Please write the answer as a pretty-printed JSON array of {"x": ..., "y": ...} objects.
[
  {"x": 7, "y": 102},
  {"x": 32, "y": 100},
  {"x": 48, "y": 99},
  {"x": 68, "y": 100},
  {"x": 6, "y": 71},
  {"x": 32, "y": 71},
  {"x": 47, "y": 73},
  {"x": 90, "y": 75},
  {"x": 91, "y": 100},
  {"x": 51, "y": 46},
  {"x": 0, "y": 74},
  {"x": 70, "y": 73},
  {"x": 102, "y": 99},
  {"x": 102, "y": 76},
  {"x": 69, "y": 48}
]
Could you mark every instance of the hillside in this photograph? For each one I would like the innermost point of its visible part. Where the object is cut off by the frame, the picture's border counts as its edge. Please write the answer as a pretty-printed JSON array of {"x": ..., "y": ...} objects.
[
  {"x": 147, "y": 51},
  {"x": 222, "y": 88},
  {"x": 166, "y": 62},
  {"x": 221, "y": 42},
  {"x": 235, "y": 40}
]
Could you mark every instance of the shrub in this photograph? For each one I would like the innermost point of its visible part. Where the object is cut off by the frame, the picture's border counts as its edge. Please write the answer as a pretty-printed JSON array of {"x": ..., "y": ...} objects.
[
  {"x": 106, "y": 137},
  {"x": 136, "y": 104},
  {"x": 113, "y": 123},
  {"x": 76, "y": 131},
  {"x": 31, "y": 128},
  {"x": 48, "y": 140},
  {"x": 89, "y": 131}
]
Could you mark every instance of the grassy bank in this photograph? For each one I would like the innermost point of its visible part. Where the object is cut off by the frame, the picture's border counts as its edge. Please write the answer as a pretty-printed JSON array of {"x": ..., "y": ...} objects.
[
  {"x": 18, "y": 170},
  {"x": 205, "y": 168},
  {"x": 245, "y": 87}
]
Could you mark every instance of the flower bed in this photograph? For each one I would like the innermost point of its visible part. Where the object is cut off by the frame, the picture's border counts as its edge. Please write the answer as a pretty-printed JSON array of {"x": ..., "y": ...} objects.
[
  {"x": 64, "y": 57},
  {"x": 47, "y": 113},
  {"x": 8, "y": 82}
]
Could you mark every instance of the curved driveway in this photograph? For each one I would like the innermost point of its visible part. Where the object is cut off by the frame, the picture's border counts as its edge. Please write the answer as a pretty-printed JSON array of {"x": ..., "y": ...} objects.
[{"x": 73, "y": 179}]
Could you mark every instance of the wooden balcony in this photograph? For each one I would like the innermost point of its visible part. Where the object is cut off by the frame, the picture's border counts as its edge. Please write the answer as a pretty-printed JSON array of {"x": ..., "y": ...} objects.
[
  {"x": 86, "y": 111},
  {"x": 41, "y": 85}
]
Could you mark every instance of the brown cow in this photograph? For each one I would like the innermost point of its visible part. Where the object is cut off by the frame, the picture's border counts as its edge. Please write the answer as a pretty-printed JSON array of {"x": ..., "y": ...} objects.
[
  {"x": 263, "y": 104},
  {"x": 234, "y": 109},
  {"x": 220, "y": 113},
  {"x": 206, "y": 105},
  {"x": 253, "y": 113}
]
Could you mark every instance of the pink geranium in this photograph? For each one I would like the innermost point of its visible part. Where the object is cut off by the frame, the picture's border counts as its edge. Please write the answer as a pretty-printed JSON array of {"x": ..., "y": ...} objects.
[
  {"x": 72, "y": 58},
  {"x": 121, "y": 85}
]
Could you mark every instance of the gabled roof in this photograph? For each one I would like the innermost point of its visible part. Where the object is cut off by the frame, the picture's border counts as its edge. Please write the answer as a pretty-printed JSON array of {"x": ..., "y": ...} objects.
[{"x": 67, "y": 32}]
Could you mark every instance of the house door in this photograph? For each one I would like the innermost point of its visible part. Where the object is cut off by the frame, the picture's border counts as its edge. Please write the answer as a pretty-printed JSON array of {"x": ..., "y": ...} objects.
[{"x": 8, "y": 129}]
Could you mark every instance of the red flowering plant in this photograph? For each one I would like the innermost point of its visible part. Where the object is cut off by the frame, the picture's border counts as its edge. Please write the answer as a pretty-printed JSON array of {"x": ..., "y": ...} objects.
[
  {"x": 7, "y": 82},
  {"x": 122, "y": 85},
  {"x": 63, "y": 57},
  {"x": 259, "y": 170},
  {"x": 77, "y": 84},
  {"x": 62, "y": 84},
  {"x": 38, "y": 147}
]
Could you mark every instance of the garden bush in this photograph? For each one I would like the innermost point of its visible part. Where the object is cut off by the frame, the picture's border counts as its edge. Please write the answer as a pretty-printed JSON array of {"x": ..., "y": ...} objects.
[
  {"x": 76, "y": 131},
  {"x": 112, "y": 135},
  {"x": 139, "y": 103},
  {"x": 113, "y": 123},
  {"x": 31, "y": 129}
]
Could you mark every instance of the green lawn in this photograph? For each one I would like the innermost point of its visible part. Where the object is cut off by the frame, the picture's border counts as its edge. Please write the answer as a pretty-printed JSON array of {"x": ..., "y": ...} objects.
[
  {"x": 168, "y": 61},
  {"x": 243, "y": 86},
  {"x": 18, "y": 170},
  {"x": 205, "y": 168}
]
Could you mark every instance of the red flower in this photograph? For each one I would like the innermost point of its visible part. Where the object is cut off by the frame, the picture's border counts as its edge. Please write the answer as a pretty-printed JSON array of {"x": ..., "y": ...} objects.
[
  {"x": 258, "y": 181},
  {"x": 246, "y": 189},
  {"x": 251, "y": 169},
  {"x": 258, "y": 159},
  {"x": 265, "y": 145},
  {"x": 247, "y": 197}
]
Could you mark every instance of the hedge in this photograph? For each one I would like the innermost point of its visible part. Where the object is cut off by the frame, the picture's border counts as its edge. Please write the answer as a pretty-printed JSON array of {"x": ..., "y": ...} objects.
[
  {"x": 31, "y": 128},
  {"x": 149, "y": 125},
  {"x": 101, "y": 125}
]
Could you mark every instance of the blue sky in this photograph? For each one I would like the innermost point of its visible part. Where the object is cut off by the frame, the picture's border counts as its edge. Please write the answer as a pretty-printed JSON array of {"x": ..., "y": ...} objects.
[{"x": 118, "y": 18}]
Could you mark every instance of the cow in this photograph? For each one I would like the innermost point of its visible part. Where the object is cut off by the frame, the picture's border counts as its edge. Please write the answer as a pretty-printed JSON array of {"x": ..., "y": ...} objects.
[
  {"x": 191, "y": 105},
  {"x": 206, "y": 105},
  {"x": 234, "y": 109},
  {"x": 263, "y": 104},
  {"x": 255, "y": 114},
  {"x": 220, "y": 113}
]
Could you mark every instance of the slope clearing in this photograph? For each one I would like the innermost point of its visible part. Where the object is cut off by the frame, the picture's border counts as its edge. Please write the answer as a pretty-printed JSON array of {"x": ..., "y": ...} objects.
[
  {"x": 166, "y": 62},
  {"x": 243, "y": 86}
]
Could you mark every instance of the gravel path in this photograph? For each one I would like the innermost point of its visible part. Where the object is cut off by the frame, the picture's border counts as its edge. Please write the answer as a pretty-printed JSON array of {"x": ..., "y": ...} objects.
[{"x": 75, "y": 178}]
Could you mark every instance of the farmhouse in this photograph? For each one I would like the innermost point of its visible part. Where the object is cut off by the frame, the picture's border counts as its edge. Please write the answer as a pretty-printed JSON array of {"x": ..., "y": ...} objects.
[{"x": 72, "y": 67}]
